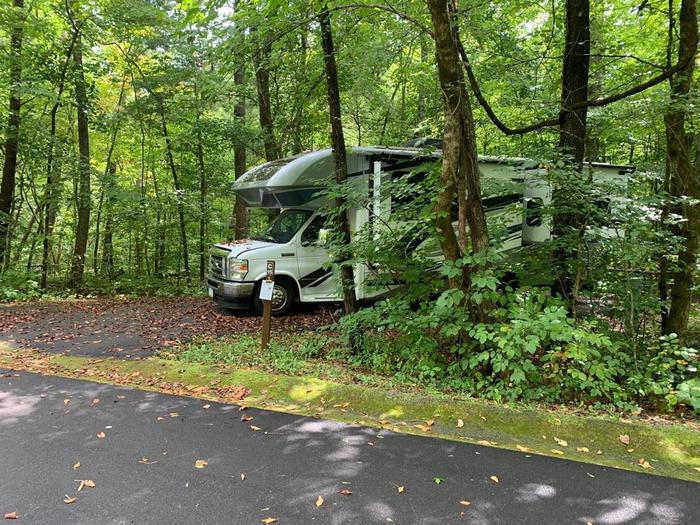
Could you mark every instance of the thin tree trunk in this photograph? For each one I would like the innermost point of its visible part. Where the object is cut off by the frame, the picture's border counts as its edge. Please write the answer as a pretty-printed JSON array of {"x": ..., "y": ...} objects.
[
  {"x": 262, "y": 83},
  {"x": 178, "y": 190},
  {"x": 347, "y": 277},
  {"x": 9, "y": 169},
  {"x": 83, "y": 195},
  {"x": 109, "y": 172},
  {"x": 52, "y": 173},
  {"x": 684, "y": 171},
  {"x": 108, "y": 239},
  {"x": 240, "y": 224},
  {"x": 460, "y": 172},
  {"x": 202, "y": 191}
]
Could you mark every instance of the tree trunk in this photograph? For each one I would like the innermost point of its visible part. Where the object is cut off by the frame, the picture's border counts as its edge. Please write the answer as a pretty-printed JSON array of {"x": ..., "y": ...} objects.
[
  {"x": 202, "y": 192},
  {"x": 684, "y": 170},
  {"x": 178, "y": 190},
  {"x": 262, "y": 83},
  {"x": 240, "y": 220},
  {"x": 9, "y": 169},
  {"x": 460, "y": 172},
  {"x": 347, "y": 277},
  {"x": 83, "y": 195},
  {"x": 572, "y": 134}
]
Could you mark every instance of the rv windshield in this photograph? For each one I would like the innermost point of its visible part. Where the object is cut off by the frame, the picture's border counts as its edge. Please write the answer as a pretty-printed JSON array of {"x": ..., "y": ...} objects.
[{"x": 285, "y": 226}]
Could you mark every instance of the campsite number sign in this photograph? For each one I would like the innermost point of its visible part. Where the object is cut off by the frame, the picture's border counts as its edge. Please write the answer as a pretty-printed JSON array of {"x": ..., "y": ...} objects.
[{"x": 266, "y": 288}]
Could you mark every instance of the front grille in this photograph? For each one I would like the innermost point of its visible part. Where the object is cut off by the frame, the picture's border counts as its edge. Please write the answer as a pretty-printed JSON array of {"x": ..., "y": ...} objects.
[{"x": 217, "y": 266}]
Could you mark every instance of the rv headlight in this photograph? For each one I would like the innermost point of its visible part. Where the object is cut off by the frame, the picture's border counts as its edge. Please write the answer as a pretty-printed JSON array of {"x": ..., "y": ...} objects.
[{"x": 237, "y": 269}]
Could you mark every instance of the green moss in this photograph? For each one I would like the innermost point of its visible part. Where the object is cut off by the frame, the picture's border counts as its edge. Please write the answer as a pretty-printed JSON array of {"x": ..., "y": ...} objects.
[{"x": 672, "y": 449}]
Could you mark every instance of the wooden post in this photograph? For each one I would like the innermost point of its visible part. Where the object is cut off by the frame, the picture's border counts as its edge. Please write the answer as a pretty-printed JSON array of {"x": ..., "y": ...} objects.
[{"x": 266, "y": 289}]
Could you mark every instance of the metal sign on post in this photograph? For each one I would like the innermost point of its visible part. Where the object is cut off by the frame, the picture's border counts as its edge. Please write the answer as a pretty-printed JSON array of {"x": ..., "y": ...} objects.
[{"x": 266, "y": 288}]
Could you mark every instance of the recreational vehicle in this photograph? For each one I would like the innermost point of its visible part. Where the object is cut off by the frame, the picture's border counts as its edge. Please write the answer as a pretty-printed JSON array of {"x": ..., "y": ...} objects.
[{"x": 295, "y": 240}]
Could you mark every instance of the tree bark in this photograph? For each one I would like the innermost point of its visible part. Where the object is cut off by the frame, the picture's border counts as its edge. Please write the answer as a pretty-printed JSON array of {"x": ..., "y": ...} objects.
[
  {"x": 178, "y": 189},
  {"x": 460, "y": 173},
  {"x": 574, "y": 80},
  {"x": 108, "y": 236},
  {"x": 684, "y": 171},
  {"x": 83, "y": 193},
  {"x": 347, "y": 277},
  {"x": 202, "y": 190},
  {"x": 240, "y": 219},
  {"x": 9, "y": 169},
  {"x": 262, "y": 83}
]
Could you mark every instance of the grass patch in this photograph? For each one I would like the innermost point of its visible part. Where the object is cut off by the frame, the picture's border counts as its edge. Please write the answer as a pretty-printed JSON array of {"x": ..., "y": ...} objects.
[{"x": 672, "y": 449}]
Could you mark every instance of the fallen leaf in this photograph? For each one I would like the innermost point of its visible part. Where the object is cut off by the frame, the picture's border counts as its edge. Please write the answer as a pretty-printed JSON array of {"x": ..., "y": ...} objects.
[
  {"x": 460, "y": 423},
  {"x": 495, "y": 479},
  {"x": 561, "y": 442},
  {"x": 76, "y": 466},
  {"x": 144, "y": 461},
  {"x": 160, "y": 418},
  {"x": 582, "y": 449},
  {"x": 269, "y": 520},
  {"x": 100, "y": 435},
  {"x": 319, "y": 501},
  {"x": 242, "y": 477},
  {"x": 206, "y": 406},
  {"x": 174, "y": 414},
  {"x": 697, "y": 468},
  {"x": 82, "y": 484},
  {"x": 430, "y": 422},
  {"x": 345, "y": 492},
  {"x": 66, "y": 401},
  {"x": 246, "y": 418},
  {"x": 465, "y": 502},
  {"x": 68, "y": 500},
  {"x": 557, "y": 452},
  {"x": 89, "y": 483},
  {"x": 624, "y": 439},
  {"x": 201, "y": 463},
  {"x": 644, "y": 463},
  {"x": 486, "y": 443},
  {"x": 401, "y": 489},
  {"x": 11, "y": 515},
  {"x": 437, "y": 481},
  {"x": 522, "y": 448},
  {"x": 630, "y": 450},
  {"x": 424, "y": 428},
  {"x": 94, "y": 402},
  {"x": 254, "y": 428}
]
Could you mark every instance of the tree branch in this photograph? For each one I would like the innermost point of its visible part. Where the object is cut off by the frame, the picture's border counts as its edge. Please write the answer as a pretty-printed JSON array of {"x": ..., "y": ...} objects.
[{"x": 596, "y": 102}]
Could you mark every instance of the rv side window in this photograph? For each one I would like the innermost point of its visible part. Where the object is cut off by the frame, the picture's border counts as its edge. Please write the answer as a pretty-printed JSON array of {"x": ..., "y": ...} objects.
[
  {"x": 534, "y": 212},
  {"x": 311, "y": 233}
]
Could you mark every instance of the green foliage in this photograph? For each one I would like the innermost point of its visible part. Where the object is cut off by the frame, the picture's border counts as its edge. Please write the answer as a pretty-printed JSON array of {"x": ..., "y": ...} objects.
[{"x": 18, "y": 286}]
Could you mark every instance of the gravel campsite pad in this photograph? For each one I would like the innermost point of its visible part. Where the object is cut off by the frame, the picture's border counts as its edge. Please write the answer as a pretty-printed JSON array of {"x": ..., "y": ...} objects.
[{"x": 132, "y": 327}]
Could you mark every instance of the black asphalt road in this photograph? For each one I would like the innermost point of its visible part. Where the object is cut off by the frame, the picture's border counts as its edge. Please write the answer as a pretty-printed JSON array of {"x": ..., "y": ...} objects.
[{"x": 287, "y": 465}]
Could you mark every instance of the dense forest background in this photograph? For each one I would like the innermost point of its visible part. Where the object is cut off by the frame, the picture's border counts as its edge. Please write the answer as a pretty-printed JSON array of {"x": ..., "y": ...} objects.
[
  {"x": 125, "y": 122},
  {"x": 172, "y": 90}
]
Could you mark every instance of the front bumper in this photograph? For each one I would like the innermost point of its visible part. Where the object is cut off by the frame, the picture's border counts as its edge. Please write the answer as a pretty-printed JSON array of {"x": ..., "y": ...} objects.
[{"x": 231, "y": 294}]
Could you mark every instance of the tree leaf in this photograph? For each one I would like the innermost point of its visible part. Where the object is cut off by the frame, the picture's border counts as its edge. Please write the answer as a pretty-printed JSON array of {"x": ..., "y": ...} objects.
[
  {"x": 201, "y": 463},
  {"x": 101, "y": 435},
  {"x": 460, "y": 423},
  {"x": 345, "y": 492},
  {"x": 495, "y": 479},
  {"x": 11, "y": 515},
  {"x": 465, "y": 502},
  {"x": 269, "y": 520},
  {"x": 624, "y": 439},
  {"x": 76, "y": 466},
  {"x": 254, "y": 428},
  {"x": 437, "y": 481},
  {"x": 401, "y": 489},
  {"x": 319, "y": 501},
  {"x": 69, "y": 499}
]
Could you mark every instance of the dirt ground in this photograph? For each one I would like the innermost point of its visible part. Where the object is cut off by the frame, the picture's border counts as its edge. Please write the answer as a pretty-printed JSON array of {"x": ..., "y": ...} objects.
[{"x": 132, "y": 327}]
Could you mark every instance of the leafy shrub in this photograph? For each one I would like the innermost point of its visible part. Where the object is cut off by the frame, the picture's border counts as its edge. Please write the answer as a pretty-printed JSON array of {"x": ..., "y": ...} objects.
[{"x": 18, "y": 286}]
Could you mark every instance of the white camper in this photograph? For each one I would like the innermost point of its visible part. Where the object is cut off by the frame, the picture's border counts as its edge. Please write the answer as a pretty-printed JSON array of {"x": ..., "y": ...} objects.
[{"x": 295, "y": 239}]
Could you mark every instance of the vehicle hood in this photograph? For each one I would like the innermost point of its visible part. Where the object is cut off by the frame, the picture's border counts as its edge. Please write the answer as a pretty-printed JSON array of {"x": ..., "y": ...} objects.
[{"x": 240, "y": 249}]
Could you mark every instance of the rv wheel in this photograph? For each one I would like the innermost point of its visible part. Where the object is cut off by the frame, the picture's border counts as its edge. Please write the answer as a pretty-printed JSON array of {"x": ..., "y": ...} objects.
[{"x": 282, "y": 298}]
